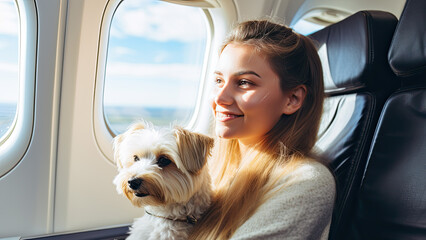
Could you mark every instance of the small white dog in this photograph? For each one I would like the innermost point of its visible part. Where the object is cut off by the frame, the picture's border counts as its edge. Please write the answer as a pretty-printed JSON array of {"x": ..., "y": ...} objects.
[{"x": 163, "y": 170}]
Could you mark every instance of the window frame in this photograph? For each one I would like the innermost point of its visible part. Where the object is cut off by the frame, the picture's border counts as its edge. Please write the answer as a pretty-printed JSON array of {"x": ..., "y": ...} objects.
[
  {"x": 103, "y": 134},
  {"x": 15, "y": 142},
  {"x": 324, "y": 19}
]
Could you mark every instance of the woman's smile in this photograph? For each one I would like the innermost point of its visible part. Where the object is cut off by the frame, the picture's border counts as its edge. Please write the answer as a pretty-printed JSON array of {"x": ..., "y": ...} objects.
[{"x": 226, "y": 116}]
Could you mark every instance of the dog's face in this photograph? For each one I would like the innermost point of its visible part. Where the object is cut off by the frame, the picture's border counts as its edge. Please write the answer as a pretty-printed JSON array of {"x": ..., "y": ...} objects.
[{"x": 159, "y": 166}]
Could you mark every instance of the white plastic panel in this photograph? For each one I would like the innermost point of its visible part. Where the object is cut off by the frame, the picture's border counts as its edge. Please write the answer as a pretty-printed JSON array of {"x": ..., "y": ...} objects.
[
  {"x": 15, "y": 143},
  {"x": 85, "y": 196},
  {"x": 395, "y": 7},
  {"x": 26, "y": 203}
]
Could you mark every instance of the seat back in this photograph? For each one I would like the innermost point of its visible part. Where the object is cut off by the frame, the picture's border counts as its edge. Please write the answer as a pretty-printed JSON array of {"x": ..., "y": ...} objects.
[
  {"x": 354, "y": 58},
  {"x": 392, "y": 197}
]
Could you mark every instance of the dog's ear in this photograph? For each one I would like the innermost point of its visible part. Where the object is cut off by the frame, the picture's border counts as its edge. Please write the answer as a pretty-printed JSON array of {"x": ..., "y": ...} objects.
[
  {"x": 137, "y": 126},
  {"x": 194, "y": 149}
]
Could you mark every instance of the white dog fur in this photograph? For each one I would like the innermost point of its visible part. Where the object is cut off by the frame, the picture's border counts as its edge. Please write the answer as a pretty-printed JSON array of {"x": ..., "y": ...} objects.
[{"x": 163, "y": 170}]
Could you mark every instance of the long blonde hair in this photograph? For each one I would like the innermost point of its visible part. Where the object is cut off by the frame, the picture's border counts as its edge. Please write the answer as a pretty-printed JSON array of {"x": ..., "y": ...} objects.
[{"x": 242, "y": 186}]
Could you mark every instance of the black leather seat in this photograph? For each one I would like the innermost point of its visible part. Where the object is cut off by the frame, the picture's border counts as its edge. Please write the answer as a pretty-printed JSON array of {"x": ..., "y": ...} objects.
[
  {"x": 358, "y": 80},
  {"x": 392, "y": 199}
]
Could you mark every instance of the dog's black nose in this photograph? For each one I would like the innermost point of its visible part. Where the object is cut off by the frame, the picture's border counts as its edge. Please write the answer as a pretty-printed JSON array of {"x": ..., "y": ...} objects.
[{"x": 135, "y": 183}]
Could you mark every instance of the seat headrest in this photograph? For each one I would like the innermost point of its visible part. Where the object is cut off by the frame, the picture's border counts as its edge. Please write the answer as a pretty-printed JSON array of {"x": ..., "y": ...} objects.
[
  {"x": 407, "y": 54},
  {"x": 354, "y": 51}
]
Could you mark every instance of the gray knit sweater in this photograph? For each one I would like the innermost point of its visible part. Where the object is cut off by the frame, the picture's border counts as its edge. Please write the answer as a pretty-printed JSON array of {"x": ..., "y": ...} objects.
[{"x": 300, "y": 211}]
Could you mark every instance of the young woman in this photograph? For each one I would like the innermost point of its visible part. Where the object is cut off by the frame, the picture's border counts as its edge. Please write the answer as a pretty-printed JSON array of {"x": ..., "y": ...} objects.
[{"x": 267, "y": 107}]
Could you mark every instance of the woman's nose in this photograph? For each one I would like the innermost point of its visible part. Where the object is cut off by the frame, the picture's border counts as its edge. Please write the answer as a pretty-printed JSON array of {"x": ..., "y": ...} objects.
[{"x": 224, "y": 95}]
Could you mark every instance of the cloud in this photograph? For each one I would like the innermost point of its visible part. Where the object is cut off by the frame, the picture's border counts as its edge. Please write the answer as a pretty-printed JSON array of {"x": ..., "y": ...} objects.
[
  {"x": 177, "y": 71},
  {"x": 156, "y": 85},
  {"x": 154, "y": 94},
  {"x": 161, "y": 56},
  {"x": 9, "y": 83},
  {"x": 3, "y": 44},
  {"x": 119, "y": 50},
  {"x": 160, "y": 22},
  {"x": 8, "y": 67},
  {"x": 8, "y": 18}
]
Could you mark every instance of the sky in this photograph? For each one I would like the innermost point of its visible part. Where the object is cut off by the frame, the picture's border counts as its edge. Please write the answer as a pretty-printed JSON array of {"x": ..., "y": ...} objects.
[
  {"x": 155, "y": 55},
  {"x": 8, "y": 52}
]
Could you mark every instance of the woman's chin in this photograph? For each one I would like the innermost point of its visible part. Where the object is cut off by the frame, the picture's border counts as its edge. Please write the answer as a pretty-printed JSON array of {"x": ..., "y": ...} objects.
[{"x": 224, "y": 132}]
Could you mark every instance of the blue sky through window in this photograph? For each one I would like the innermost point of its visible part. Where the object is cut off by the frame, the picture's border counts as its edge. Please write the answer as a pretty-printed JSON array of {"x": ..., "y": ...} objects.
[
  {"x": 9, "y": 52},
  {"x": 155, "y": 54},
  {"x": 9, "y": 79},
  {"x": 154, "y": 63}
]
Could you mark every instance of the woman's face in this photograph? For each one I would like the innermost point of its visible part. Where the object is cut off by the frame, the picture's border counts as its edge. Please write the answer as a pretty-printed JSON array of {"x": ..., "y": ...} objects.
[{"x": 248, "y": 99}]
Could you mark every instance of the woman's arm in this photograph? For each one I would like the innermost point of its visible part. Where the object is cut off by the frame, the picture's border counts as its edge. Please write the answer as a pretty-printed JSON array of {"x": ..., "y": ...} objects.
[{"x": 302, "y": 210}]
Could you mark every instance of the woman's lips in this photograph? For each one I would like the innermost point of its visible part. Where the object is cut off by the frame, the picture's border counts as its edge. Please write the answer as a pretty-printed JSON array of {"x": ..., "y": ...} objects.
[{"x": 223, "y": 117}]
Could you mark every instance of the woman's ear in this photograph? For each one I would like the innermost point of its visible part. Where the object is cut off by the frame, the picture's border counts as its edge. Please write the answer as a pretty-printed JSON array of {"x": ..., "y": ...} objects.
[{"x": 294, "y": 99}]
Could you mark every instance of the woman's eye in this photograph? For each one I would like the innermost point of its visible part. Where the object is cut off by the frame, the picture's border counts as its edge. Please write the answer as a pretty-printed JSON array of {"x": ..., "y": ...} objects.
[
  {"x": 135, "y": 158},
  {"x": 244, "y": 83},
  {"x": 218, "y": 81},
  {"x": 163, "y": 161}
]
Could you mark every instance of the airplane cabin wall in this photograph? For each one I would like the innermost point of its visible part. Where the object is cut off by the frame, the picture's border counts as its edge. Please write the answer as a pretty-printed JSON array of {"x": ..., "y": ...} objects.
[
  {"x": 27, "y": 200},
  {"x": 64, "y": 181},
  {"x": 85, "y": 197}
]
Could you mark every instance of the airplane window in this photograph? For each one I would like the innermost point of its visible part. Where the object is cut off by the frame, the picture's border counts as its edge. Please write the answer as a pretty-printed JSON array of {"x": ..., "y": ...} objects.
[
  {"x": 9, "y": 80},
  {"x": 154, "y": 63},
  {"x": 306, "y": 27}
]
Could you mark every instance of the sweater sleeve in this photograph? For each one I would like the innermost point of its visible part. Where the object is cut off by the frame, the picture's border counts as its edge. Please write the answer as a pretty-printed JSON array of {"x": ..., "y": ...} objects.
[{"x": 301, "y": 210}]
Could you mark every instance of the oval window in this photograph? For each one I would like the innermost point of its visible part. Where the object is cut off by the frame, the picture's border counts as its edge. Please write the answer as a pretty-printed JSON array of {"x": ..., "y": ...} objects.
[
  {"x": 9, "y": 80},
  {"x": 154, "y": 63}
]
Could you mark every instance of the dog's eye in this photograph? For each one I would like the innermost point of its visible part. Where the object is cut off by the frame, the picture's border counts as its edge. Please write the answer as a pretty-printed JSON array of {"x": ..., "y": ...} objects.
[
  {"x": 135, "y": 158},
  {"x": 163, "y": 161}
]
